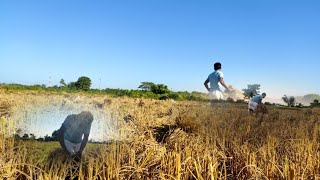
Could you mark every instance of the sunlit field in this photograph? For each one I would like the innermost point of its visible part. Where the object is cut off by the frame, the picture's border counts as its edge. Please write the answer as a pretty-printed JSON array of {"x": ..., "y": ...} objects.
[{"x": 153, "y": 139}]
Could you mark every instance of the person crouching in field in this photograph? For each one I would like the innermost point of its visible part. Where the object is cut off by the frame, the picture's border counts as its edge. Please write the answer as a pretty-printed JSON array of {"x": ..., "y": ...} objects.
[
  {"x": 214, "y": 79},
  {"x": 73, "y": 128},
  {"x": 255, "y": 103}
]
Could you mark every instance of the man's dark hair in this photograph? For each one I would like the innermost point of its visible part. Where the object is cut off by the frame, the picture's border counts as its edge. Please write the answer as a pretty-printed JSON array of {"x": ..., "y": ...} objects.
[{"x": 217, "y": 66}]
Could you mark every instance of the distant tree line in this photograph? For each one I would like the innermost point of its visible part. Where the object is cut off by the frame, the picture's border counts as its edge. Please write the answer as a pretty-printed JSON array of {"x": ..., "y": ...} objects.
[
  {"x": 32, "y": 137},
  {"x": 46, "y": 138},
  {"x": 145, "y": 90},
  {"x": 315, "y": 103},
  {"x": 152, "y": 90}
]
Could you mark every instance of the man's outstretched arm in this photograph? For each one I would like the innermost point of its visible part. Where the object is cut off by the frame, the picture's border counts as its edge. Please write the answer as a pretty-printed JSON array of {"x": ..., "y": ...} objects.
[
  {"x": 61, "y": 138},
  {"x": 84, "y": 142},
  {"x": 224, "y": 84},
  {"x": 206, "y": 85}
]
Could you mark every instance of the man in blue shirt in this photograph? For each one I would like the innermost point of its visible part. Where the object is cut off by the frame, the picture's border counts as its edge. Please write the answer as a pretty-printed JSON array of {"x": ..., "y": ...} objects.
[
  {"x": 73, "y": 128},
  {"x": 214, "y": 79},
  {"x": 255, "y": 101}
]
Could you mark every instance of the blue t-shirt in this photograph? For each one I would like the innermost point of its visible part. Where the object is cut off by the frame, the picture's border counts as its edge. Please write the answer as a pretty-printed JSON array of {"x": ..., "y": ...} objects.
[
  {"x": 257, "y": 99},
  {"x": 214, "y": 79},
  {"x": 75, "y": 128}
]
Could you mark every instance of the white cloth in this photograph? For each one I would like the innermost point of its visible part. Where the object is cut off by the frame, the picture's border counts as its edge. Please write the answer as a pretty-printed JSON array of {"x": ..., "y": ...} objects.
[
  {"x": 216, "y": 95},
  {"x": 73, "y": 148},
  {"x": 252, "y": 105}
]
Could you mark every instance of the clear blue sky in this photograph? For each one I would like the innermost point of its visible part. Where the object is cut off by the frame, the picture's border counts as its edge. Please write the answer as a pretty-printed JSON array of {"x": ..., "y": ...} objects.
[{"x": 271, "y": 42}]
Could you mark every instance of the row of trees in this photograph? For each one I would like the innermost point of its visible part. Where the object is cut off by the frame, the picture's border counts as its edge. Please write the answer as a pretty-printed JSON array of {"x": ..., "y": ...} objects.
[
  {"x": 148, "y": 90},
  {"x": 83, "y": 83},
  {"x": 155, "y": 88},
  {"x": 145, "y": 90},
  {"x": 315, "y": 103},
  {"x": 46, "y": 138}
]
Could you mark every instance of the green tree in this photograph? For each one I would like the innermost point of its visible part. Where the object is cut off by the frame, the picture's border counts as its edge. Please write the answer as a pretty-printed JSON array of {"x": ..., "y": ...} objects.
[
  {"x": 230, "y": 100},
  {"x": 55, "y": 135},
  {"x": 164, "y": 97},
  {"x": 25, "y": 136},
  {"x": 63, "y": 83},
  {"x": 32, "y": 137},
  {"x": 83, "y": 83},
  {"x": 72, "y": 85},
  {"x": 146, "y": 86},
  {"x": 289, "y": 100},
  {"x": 17, "y": 134},
  {"x": 160, "y": 89},
  {"x": 253, "y": 89},
  {"x": 315, "y": 103},
  {"x": 174, "y": 96},
  {"x": 40, "y": 139},
  {"x": 47, "y": 138}
]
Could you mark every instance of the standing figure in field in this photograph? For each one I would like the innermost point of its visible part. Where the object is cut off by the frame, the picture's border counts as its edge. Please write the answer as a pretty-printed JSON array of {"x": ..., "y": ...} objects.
[
  {"x": 255, "y": 104},
  {"x": 73, "y": 128},
  {"x": 214, "y": 79}
]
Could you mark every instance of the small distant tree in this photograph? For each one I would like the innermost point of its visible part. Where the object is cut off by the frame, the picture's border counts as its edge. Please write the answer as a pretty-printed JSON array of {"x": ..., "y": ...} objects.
[
  {"x": 285, "y": 99},
  {"x": 47, "y": 138},
  {"x": 289, "y": 100},
  {"x": 292, "y": 101},
  {"x": 300, "y": 105},
  {"x": 18, "y": 133},
  {"x": 230, "y": 100},
  {"x": 83, "y": 83},
  {"x": 240, "y": 101},
  {"x": 72, "y": 85},
  {"x": 146, "y": 86},
  {"x": 268, "y": 103},
  {"x": 160, "y": 89},
  {"x": 315, "y": 103},
  {"x": 251, "y": 90},
  {"x": 55, "y": 135},
  {"x": 25, "y": 136},
  {"x": 40, "y": 139},
  {"x": 164, "y": 97},
  {"x": 174, "y": 96},
  {"x": 63, "y": 83},
  {"x": 32, "y": 137}
]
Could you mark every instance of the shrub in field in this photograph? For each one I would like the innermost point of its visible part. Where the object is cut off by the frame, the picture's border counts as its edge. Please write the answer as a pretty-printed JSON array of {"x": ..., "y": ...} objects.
[
  {"x": 174, "y": 96},
  {"x": 315, "y": 103},
  {"x": 164, "y": 97}
]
